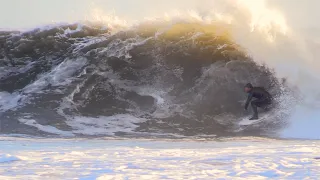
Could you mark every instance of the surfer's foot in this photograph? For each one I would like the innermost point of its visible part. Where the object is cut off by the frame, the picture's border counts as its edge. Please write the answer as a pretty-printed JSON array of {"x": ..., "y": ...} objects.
[{"x": 254, "y": 118}]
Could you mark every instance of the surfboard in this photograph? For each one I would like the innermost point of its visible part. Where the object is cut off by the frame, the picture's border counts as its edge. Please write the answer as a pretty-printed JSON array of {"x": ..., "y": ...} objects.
[{"x": 246, "y": 122}]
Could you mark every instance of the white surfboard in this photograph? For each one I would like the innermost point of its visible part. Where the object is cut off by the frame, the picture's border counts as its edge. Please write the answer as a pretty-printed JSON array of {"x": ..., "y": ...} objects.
[{"x": 246, "y": 122}]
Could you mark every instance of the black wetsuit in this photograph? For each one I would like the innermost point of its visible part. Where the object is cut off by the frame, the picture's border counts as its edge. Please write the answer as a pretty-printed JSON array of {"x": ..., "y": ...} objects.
[{"x": 262, "y": 99}]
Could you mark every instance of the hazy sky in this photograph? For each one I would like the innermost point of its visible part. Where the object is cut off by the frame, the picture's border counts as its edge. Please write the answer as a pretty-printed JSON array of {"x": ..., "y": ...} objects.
[{"x": 31, "y": 13}]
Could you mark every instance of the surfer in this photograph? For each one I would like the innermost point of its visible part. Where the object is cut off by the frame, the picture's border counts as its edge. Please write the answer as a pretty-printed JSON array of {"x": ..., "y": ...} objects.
[{"x": 262, "y": 99}]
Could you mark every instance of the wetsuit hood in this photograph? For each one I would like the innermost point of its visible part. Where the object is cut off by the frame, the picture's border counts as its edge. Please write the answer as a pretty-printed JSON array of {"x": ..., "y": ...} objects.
[{"x": 249, "y": 85}]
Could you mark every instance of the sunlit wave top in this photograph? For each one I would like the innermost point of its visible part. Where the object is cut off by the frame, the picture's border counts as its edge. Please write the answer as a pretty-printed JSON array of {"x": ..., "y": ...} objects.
[
  {"x": 111, "y": 20},
  {"x": 266, "y": 20},
  {"x": 253, "y": 15}
]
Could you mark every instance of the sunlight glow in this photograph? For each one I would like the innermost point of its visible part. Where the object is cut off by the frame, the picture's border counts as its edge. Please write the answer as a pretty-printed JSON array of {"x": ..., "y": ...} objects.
[
  {"x": 268, "y": 21},
  {"x": 256, "y": 13},
  {"x": 109, "y": 19}
]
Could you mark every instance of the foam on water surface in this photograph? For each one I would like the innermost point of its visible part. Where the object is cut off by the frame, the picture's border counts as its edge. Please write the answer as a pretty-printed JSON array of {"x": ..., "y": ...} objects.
[
  {"x": 251, "y": 158},
  {"x": 7, "y": 158}
]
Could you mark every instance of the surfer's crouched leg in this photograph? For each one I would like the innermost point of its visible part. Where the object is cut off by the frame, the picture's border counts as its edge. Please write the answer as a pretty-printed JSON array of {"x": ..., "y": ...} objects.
[
  {"x": 254, "y": 105},
  {"x": 259, "y": 103}
]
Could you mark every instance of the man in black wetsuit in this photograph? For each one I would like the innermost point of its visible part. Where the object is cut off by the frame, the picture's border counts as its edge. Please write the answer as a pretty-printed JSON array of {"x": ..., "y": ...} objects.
[{"x": 262, "y": 99}]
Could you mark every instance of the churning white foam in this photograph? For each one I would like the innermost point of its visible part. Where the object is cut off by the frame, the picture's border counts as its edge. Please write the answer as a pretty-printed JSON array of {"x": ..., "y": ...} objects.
[
  {"x": 110, "y": 125},
  {"x": 45, "y": 128}
]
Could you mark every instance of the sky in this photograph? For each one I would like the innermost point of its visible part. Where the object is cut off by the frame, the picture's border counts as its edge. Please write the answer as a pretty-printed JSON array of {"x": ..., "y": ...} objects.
[{"x": 30, "y": 13}]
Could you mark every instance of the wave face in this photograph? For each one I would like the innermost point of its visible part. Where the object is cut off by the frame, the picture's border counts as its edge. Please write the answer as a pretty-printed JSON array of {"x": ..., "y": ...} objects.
[
  {"x": 181, "y": 75},
  {"x": 154, "y": 79}
]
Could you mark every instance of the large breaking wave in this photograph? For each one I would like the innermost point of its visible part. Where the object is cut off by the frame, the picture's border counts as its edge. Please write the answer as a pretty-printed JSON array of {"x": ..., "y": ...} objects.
[{"x": 181, "y": 77}]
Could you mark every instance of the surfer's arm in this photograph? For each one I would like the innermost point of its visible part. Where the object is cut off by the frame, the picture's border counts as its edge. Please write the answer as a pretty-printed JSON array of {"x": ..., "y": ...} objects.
[{"x": 248, "y": 101}]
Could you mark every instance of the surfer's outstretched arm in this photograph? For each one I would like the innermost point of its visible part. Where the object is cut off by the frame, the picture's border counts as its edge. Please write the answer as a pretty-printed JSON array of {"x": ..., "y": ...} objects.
[{"x": 248, "y": 101}]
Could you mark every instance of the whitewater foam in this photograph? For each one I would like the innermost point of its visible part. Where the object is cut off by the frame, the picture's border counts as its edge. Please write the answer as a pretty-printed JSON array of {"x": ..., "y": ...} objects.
[
  {"x": 9, "y": 101},
  {"x": 251, "y": 158},
  {"x": 7, "y": 158},
  {"x": 46, "y": 128},
  {"x": 121, "y": 123},
  {"x": 59, "y": 76}
]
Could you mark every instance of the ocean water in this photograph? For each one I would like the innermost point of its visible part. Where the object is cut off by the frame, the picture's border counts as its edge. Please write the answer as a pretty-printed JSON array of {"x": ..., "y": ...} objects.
[{"x": 161, "y": 97}]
